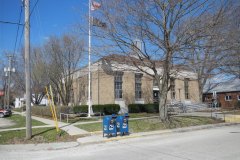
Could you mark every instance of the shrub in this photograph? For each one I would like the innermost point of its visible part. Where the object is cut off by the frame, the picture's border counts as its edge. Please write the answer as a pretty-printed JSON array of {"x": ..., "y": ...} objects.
[
  {"x": 156, "y": 107},
  {"x": 111, "y": 109},
  {"x": 65, "y": 109},
  {"x": 98, "y": 108},
  {"x": 139, "y": 108},
  {"x": 134, "y": 108},
  {"x": 80, "y": 109},
  {"x": 150, "y": 108},
  {"x": 142, "y": 107},
  {"x": 106, "y": 109},
  {"x": 45, "y": 111}
]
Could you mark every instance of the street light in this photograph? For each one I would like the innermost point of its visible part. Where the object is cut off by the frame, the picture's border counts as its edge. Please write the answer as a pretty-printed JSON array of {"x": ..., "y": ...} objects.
[{"x": 8, "y": 71}]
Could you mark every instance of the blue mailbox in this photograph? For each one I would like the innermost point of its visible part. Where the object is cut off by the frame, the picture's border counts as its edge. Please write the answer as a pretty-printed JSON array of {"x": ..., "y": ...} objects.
[
  {"x": 122, "y": 124},
  {"x": 109, "y": 125}
]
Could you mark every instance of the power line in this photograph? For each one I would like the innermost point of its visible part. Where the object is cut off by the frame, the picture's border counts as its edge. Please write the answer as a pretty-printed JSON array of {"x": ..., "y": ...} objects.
[
  {"x": 24, "y": 24},
  {"x": 34, "y": 7},
  {"x": 17, "y": 30},
  {"x": 20, "y": 38},
  {"x": 7, "y": 22}
]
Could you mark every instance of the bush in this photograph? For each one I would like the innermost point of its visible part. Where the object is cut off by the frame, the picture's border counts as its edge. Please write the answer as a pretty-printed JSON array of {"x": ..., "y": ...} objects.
[
  {"x": 65, "y": 109},
  {"x": 111, "y": 109},
  {"x": 106, "y": 109},
  {"x": 98, "y": 108},
  {"x": 134, "y": 108},
  {"x": 150, "y": 108},
  {"x": 156, "y": 107},
  {"x": 139, "y": 108},
  {"x": 45, "y": 111},
  {"x": 80, "y": 109},
  {"x": 42, "y": 111}
]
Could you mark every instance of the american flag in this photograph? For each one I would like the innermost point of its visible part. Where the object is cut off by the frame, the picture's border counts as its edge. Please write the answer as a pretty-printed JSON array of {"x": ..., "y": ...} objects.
[{"x": 95, "y": 5}]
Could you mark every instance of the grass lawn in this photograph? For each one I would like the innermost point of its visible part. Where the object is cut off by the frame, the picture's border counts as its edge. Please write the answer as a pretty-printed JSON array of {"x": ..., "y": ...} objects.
[
  {"x": 20, "y": 121},
  {"x": 154, "y": 124},
  {"x": 40, "y": 135},
  {"x": 139, "y": 115}
]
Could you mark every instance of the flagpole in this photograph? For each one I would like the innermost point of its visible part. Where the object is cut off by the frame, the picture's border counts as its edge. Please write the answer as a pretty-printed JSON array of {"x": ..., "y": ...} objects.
[{"x": 89, "y": 58}]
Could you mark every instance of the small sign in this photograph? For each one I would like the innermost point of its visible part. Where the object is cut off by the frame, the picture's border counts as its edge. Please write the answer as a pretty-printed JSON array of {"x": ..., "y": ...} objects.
[
  {"x": 105, "y": 127},
  {"x": 118, "y": 125},
  {"x": 111, "y": 127}
]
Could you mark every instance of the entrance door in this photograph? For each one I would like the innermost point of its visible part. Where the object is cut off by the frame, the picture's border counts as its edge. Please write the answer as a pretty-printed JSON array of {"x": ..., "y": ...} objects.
[{"x": 155, "y": 96}]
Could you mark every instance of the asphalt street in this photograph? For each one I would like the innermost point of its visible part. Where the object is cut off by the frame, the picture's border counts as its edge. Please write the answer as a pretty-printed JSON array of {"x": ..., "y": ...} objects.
[{"x": 221, "y": 143}]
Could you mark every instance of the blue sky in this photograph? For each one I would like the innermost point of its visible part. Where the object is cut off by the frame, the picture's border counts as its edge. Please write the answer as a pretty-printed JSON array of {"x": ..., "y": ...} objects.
[{"x": 50, "y": 17}]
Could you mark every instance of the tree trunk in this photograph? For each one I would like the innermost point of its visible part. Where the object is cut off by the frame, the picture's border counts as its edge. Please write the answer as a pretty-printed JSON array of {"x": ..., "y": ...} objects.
[
  {"x": 163, "y": 90},
  {"x": 200, "y": 91}
]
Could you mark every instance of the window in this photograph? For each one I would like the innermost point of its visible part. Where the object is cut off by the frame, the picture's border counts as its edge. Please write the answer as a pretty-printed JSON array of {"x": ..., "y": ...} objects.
[
  {"x": 138, "y": 86},
  {"x": 186, "y": 88},
  {"x": 207, "y": 98},
  {"x": 228, "y": 98},
  {"x": 238, "y": 97},
  {"x": 172, "y": 88},
  {"x": 118, "y": 85}
]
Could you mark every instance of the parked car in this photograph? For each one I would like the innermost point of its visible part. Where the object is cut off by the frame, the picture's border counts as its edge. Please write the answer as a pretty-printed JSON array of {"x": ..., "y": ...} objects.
[{"x": 5, "y": 112}]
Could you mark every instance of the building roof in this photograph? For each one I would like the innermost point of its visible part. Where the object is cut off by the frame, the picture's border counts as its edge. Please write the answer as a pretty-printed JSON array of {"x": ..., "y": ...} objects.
[
  {"x": 133, "y": 60},
  {"x": 229, "y": 86},
  {"x": 116, "y": 62}
]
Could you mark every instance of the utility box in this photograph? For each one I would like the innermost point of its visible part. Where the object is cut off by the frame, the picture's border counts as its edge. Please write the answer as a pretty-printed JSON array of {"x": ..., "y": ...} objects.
[
  {"x": 109, "y": 125},
  {"x": 122, "y": 124}
]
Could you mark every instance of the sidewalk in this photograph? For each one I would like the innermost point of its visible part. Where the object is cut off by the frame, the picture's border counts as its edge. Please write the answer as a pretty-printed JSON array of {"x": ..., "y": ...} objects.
[{"x": 69, "y": 128}]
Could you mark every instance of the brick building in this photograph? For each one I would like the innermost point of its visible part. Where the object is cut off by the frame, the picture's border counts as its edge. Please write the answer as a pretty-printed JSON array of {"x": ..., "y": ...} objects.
[
  {"x": 115, "y": 81},
  {"x": 227, "y": 94}
]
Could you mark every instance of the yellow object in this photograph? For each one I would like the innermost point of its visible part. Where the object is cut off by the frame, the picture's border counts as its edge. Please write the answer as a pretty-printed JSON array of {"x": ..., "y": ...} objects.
[
  {"x": 232, "y": 118},
  {"x": 52, "y": 107}
]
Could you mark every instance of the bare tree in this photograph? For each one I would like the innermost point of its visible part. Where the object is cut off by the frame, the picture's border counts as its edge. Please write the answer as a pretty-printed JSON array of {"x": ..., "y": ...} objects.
[
  {"x": 156, "y": 24},
  {"x": 39, "y": 76},
  {"x": 19, "y": 76},
  {"x": 206, "y": 54},
  {"x": 231, "y": 62},
  {"x": 216, "y": 52},
  {"x": 62, "y": 59}
]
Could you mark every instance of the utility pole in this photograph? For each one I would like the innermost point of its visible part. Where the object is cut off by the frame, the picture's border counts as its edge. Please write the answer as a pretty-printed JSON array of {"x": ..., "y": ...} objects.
[
  {"x": 5, "y": 90},
  {"x": 89, "y": 58},
  {"x": 8, "y": 71},
  {"x": 27, "y": 71}
]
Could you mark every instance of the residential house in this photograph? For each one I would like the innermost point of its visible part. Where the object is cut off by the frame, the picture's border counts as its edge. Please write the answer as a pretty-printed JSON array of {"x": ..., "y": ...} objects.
[{"x": 227, "y": 94}]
